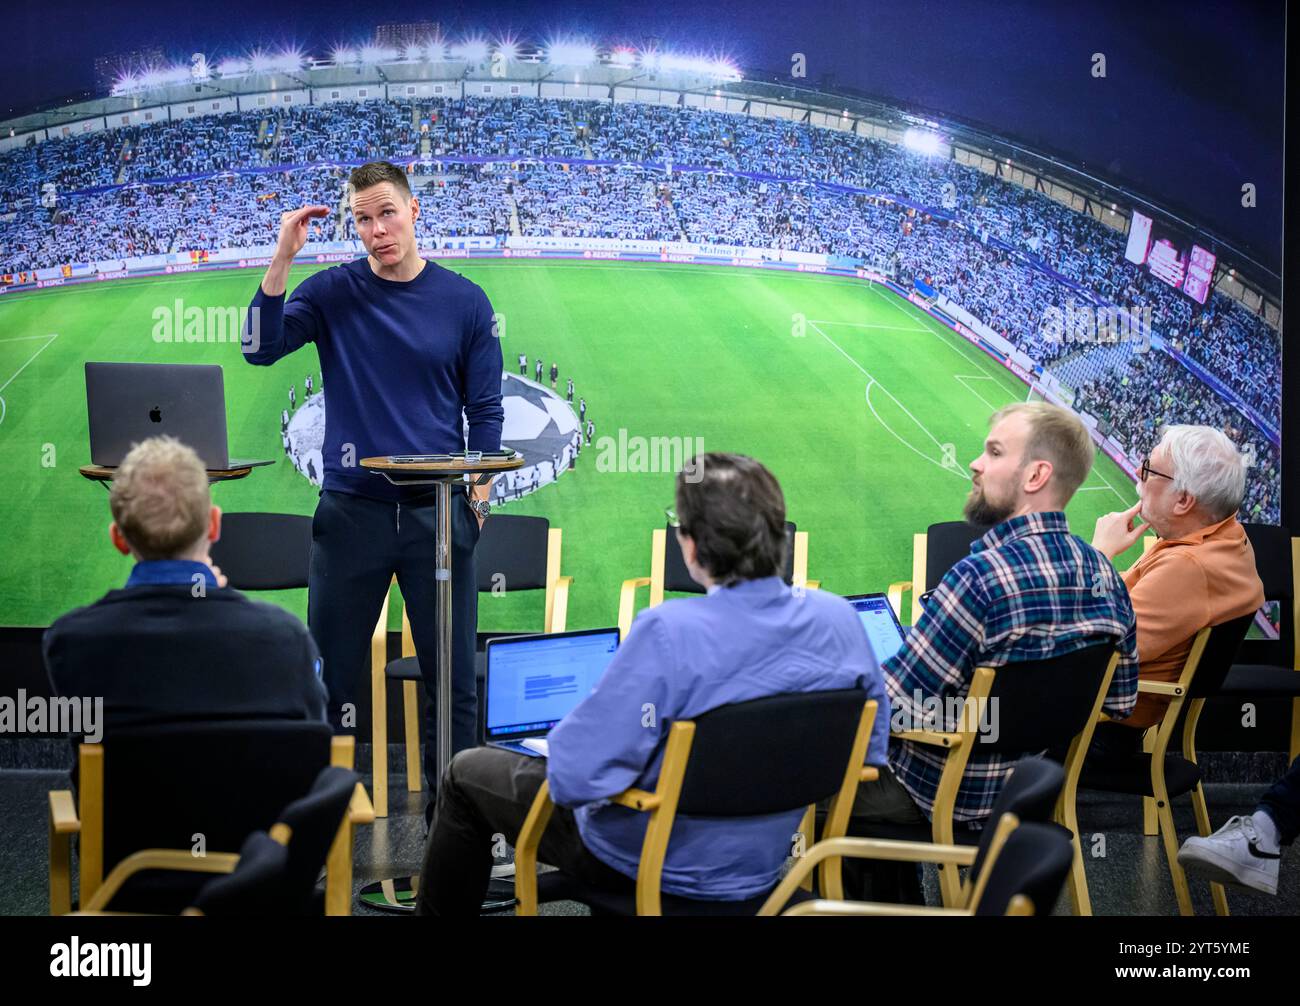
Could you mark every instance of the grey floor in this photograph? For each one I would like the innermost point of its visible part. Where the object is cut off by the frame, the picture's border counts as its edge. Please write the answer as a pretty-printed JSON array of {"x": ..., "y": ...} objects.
[{"x": 1129, "y": 877}]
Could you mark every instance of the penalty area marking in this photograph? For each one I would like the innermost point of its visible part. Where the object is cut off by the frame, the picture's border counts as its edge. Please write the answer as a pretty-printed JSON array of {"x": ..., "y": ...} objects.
[
  {"x": 948, "y": 464},
  {"x": 962, "y": 379},
  {"x": 22, "y": 338}
]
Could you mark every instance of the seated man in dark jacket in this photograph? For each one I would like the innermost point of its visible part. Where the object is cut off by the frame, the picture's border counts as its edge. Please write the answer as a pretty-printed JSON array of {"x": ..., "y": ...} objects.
[{"x": 175, "y": 643}]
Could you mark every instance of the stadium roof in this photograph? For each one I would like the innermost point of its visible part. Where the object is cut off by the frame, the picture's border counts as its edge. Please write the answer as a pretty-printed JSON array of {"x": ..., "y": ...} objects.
[{"x": 577, "y": 61}]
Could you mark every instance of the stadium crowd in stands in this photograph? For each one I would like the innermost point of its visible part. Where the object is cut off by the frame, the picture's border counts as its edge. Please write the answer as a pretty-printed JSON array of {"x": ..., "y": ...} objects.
[{"x": 1003, "y": 252}]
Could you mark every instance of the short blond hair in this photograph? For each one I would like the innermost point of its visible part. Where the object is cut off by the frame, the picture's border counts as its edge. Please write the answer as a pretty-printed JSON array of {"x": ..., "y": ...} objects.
[
  {"x": 161, "y": 499},
  {"x": 1058, "y": 436}
]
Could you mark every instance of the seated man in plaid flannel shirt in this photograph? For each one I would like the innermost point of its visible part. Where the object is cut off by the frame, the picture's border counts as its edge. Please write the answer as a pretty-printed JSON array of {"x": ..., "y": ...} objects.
[{"x": 1029, "y": 590}]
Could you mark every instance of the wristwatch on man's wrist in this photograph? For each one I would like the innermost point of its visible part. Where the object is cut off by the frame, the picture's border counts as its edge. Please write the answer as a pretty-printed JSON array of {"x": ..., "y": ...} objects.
[{"x": 480, "y": 507}]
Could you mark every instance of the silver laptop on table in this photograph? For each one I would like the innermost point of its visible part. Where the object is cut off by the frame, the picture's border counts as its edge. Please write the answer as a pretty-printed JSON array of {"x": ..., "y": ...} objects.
[
  {"x": 130, "y": 402},
  {"x": 533, "y": 682}
]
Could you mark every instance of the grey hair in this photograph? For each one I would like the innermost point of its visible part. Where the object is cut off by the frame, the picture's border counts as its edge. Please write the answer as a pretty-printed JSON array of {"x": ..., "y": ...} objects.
[{"x": 1208, "y": 466}]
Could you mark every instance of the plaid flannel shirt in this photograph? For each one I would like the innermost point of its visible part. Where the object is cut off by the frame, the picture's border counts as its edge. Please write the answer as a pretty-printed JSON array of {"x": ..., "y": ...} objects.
[{"x": 1029, "y": 590}]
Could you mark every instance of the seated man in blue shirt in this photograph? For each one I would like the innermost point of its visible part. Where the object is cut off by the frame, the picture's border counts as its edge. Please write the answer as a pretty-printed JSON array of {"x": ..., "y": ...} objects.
[
  {"x": 175, "y": 643},
  {"x": 750, "y": 637}
]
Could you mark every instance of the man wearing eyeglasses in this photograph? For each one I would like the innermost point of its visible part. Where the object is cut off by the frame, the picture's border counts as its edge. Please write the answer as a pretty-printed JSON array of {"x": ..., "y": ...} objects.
[{"x": 1200, "y": 572}]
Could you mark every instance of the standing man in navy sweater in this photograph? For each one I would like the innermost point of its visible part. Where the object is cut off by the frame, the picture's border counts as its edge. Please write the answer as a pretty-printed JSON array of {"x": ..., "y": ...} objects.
[{"x": 411, "y": 355}]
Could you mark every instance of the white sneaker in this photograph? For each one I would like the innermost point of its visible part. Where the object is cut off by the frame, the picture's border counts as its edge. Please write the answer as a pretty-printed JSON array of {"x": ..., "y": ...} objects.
[{"x": 1235, "y": 854}]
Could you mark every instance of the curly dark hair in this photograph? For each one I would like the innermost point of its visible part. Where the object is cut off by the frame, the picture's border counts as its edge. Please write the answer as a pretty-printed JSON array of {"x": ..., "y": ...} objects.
[{"x": 734, "y": 510}]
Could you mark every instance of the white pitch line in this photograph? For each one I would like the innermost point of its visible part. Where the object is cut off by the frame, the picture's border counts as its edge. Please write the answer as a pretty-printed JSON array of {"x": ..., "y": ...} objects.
[
  {"x": 862, "y": 324},
  {"x": 962, "y": 379},
  {"x": 20, "y": 338},
  {"x": 892, "y": 302},
  {"x": 1121, "y": 496},
  {"x": 870, "y": 381},
  {"x": 28, "y": 363}
]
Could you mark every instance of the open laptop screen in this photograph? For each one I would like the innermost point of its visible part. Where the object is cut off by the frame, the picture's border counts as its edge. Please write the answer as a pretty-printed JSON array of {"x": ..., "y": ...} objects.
[
  {"x": 534, "y": 681},
  {"x": 884, "y": 634}
]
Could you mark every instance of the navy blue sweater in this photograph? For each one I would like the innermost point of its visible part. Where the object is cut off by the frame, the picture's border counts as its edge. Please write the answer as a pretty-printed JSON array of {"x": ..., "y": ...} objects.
[{"x": 400, "y": 360}]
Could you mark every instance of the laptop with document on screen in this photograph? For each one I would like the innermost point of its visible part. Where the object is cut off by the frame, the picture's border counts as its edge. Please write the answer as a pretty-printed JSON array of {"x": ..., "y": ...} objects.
[
  {"x": 533, "y": 682},
  {"x": 884, "y": 633}
]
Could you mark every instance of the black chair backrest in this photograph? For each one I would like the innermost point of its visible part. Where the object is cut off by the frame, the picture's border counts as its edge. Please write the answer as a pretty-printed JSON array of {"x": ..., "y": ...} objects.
[
  {"x": 1217, "y": 657},
  {"x": 770, "y": 754},
  {"x": 1030, "y": 792},
  {"x": 946, "y": 545},
  {"x": 677, "y": 578},
  {"x": 255, "y": 887},
  {"x": 1034, "y": 862},
  {"x": 264, "y": 551},
  {"x": 511, "y": 553},
  {"x": 165, "y": 784},
  {"x": 1038, "y": 705},
  {"x": 313, "y": 822},
  {"x": 1272, "y": 546}
]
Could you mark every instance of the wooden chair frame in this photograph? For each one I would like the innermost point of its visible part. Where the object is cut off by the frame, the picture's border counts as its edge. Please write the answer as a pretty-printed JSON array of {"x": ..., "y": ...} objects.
[
  {"x": 555, "y": 619},
  {"x": 1067, "y": 804},
  {"x": 958, "y": 744},
  {"x": 96, "y": 891},
  {"x": 655, "y": 581},
  {"x": 899, "y": 852},
  {"x": 661, "y": 805},
  {"x": 1156, "y": 743}
]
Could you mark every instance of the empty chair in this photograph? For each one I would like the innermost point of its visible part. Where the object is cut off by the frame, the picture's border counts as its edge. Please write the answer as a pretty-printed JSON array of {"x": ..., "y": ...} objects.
[
  {"x": 264, "y": 551},
  {"x": 1027, "y": 867},
  {"x": 941, "y": 547},
  {"x": 1030, "y": 794}
]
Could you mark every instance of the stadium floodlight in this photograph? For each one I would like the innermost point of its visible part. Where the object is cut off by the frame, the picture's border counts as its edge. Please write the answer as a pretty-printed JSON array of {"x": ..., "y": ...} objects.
[
  {"x": 232, "y": 67},
  {"x": 125, "y": 84},
  {"x": 342, "y": 55},
  {"x": 622, "y": 56},
  {"x": 261, "y": 62},
  {"x": 471, "y": 50},
  {"x": 507, "y": 50},
  {"x": 570, "y": 52},
  {"x": 922, "y": 141},
  {"x": 156, "y": 76},
  {"x": 374, "y": 54},
  {"x": 288, "y": 61}
]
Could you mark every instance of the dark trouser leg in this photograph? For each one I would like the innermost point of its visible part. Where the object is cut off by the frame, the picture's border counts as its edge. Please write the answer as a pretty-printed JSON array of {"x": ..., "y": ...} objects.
[
  {"x": 416, "y": 577},
  {"x": 351, "y": 567},
  {"x": 1282, "y": 804},
  {"x": 883, "y": 801},
  {"x": 484, "y": 797},
  {"x": 1114, "y": 743}
]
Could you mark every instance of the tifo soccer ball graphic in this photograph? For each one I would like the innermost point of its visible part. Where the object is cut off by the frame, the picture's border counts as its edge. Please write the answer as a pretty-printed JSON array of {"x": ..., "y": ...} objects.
[{"x": 539, "y": 424}]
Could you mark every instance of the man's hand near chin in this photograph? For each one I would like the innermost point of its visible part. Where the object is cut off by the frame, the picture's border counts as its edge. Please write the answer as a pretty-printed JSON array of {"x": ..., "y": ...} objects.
[
  {"x": 216, "y": 571},
  {"x": 1118, "y": 531}
]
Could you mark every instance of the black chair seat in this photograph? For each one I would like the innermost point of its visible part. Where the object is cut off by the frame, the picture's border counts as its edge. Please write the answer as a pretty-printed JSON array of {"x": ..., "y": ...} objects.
[
  {"x": 1133, "y": 776},
  {"x": 404, "y": 669},
  {"x": 160, "y": 892},
  {"x": 556, "y": 885},
  {"x": 1260, "y": 679}
]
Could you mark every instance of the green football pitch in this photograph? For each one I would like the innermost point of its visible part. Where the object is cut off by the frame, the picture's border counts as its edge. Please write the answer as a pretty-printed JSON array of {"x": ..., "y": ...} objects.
[{"x": 866, "y": 410}]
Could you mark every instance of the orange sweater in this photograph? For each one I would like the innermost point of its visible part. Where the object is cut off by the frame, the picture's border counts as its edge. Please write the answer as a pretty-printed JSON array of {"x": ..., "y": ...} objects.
[{"x": 1180, "y": 586}]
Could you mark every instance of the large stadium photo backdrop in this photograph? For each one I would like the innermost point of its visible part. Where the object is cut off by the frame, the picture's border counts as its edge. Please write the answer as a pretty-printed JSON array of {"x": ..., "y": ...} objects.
[
  {"x": 842, "y": 298},
  {"x": 868, "y": 414}
]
